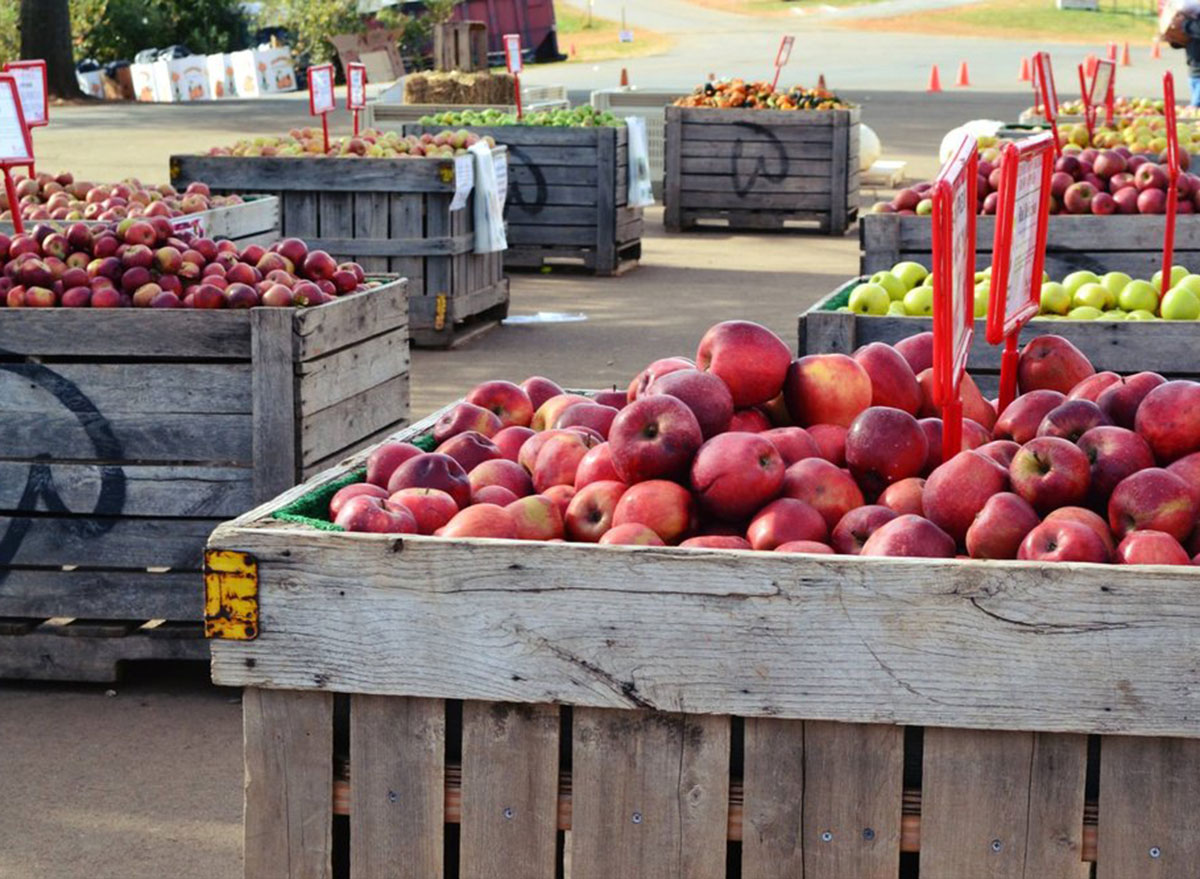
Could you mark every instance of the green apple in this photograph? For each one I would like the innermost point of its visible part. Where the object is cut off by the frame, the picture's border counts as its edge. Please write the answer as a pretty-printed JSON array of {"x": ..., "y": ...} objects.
[
  {"x": 1140, "y": 314},
  {"x": 980, "y": 277},
  {"x": 924, "y": 207},
  {"x": 928, "y": 282},
  {"x": 918, "y": 302},
  {"x": 911, "y": 273},
  {"x": 895, "y": 287},
  {"x": 1180, "y": 304},
  {"x": 983, "y": 295},
  {"x": 896, "y": 309},
  {"x": 1084, "y": 312},
  {"x": 1094, "y": 295},
  {"x": 1055, "y": 298},
  {"x": 1178, "y": 273},
  {"x": 1189, "y": 282},
  {"x": 869, "y": 299},
  {"x": 844, "y": 309},
  {"x": 1138, "y": 296},
  {"x": 1075, "y": 280},
  {"x": 1115, "y": 282}
]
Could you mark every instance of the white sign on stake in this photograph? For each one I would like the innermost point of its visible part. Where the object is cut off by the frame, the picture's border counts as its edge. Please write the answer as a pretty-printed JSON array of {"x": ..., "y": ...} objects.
[
  {"x": 356, "y": 83},
  {"x": 320, "y": 89},
  {"x": 512, "y": 53},
  {"x": 30, "y": 77},
  {"x": 14, "y": 134},
  {"x": 464, "y": 180}
]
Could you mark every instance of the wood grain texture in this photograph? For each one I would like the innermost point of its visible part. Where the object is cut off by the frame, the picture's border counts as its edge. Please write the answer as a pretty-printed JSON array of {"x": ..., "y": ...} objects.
[
  {"x": 105, "y": 542},
  {"x": 141, "y": 334},
  {"x": 397, "y": 762},
  {"x": 650, "y": 794},
  {"x": 509, "y": 790},
  {"x": 351, "y": 319},
  {"x": 773, "y": 800},
  {"x": 327, "y": 380},
  {"x": 40, "y": 655},
  {"x": 274, "y": 387},
  {"x": 289, "y": 784},
  {"x": 86, "y": 594},
  {"x": 271, "y": 174},
  {"x": 344, "y": 426}
]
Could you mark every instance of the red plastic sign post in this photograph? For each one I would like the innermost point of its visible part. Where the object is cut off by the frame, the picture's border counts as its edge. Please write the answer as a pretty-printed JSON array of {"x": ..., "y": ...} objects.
[
  {"x": 1102, "y": 87},
  {"x": 1089, "y": 112},
  {"x": 1044, "y": 74},
  {"x": 512, "y": 59},
  {"x": 356, "y": 89},
  {"x": 16, "y": 146},
  {"x": 1173, "y": 176},
  {"x": 781, "y": 57},
  {"x": 954, "y": 208},
  {"x": 320, "y": 95},
  {"x": 1022, "y": 218}
]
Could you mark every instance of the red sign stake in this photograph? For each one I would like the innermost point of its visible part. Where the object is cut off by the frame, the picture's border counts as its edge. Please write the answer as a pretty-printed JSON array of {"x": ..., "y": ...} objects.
[
  {"x": 1049, "y": 94},
  {"x": 512, "y": 59},
  {"x": 356, "y": 90},
  {"x": 1173, "y": 175},
  {"x": 781, "y": 57},
  {"x": 320, "y": 96}
]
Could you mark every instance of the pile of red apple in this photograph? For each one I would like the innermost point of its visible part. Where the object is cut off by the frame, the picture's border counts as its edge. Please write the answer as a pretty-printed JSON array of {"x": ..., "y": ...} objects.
[
  {"x": 62, "y": 197},
  {"x": 747, "y": 448},
  {"x": 145, "y": 263}
]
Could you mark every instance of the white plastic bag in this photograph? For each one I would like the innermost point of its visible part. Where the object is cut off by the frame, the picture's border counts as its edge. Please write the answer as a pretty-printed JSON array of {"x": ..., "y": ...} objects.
[
  {"x": 641, "y": 194},
  {"x": 489, "y": 208}
]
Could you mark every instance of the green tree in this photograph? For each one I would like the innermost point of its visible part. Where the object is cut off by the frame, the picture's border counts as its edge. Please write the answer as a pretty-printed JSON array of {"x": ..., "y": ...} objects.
[
  {"x": 110, "y": 29},
  {"x": 312, "y": 23}
]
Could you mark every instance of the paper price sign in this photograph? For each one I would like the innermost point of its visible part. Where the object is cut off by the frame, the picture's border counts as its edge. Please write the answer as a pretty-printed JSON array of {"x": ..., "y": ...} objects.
[
  {"x": 1045, "y": 79},
  {"x": 1022, "y": 218},
  {"x": 954, "y": 205},
  {"x": 30, "y": 77},
  {"x": 356, "y": 86},
  {"x": 16, "y": 147},
  {"x": 320, "y": 89},
  {"x": 1101, "y": 90},
  {"x": 785, "y": 51},
  {"x": 512, "y": 53}
]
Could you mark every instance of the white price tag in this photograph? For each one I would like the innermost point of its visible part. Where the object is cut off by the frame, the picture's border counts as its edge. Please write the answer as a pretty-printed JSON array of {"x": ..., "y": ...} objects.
[
  {"x": 1026, "y": 211},
  {"x": 320, "y": 89},
  {"x": 500, "y": 168},
  {"x": 464, "y": 181},
  {"x": 1101, "y": 83},
  {"x": 963, "y": 214},
  {"x": 356, "y": 75},
  {"x": 31, "y": 86},
  {"x": 193, "y": 223},
  {"x": 14, "y": 135},
  {"x": 512, "y": 53}
]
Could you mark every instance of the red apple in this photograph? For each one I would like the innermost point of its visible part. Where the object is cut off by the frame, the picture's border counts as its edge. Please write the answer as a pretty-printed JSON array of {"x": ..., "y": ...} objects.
[
  {"x": 1050, "y": 472},
  {"x": 812, "y": 547},
  {"x": 1019, "y": 422},
  {"x": 905, "y": 497},
  {"x": 355, "y": 489},
  {"x": 506, "y": 401},
  {"x": 1151, "y": 548},
  {"x": 785, "y": 520},
  {"x": 654, "y": 437},
  {"x": 666, "y": 507},
  {"x": 958, "y": 489},
  {"x": 587, "y": 414},
  {"x": 1085, "y": 517},
  {"x": 527, "y": 455},
  {"x": 386, "y": 457},
  {"x": 595, "y": 466},
  {"x": 911, "y": 536},
  {"x": 557, "y": 461},
  {"x": 856, "y": 526},
  {"x": 1169, "y": 420},
  {"x": 502, "y": 472},
  {"x": 893, "y": 382},
  {"x": 366, "y": 513},
  {"x": 831, "y": 442},
  {"x": 540, "y": 389},
  {"x": 748, "y": 357},
  {"x": 749, "y": 421},
  {"x": 1113, "y": 453},
  {"x": 493, "y": 494},
  {"x": 793, "y": 444},
  {"x": 432, "y": 470},
  {"x": 1063, "y": 541},
  {"x": 1072, "y": 419},
  {"x": 657, "y": 369},
  {"x": 462, "y": 417},
  {"x": 918, "y": 351},
  {"x": 1120, "y": 401},
  {"x": 1000, "y": 527},
  {"x": 1000, "y": 451},
  {"x": 1152, "y": 500},
  {"x": 826, "y": 389},
  {"x": 884, "y": 445},
  {"x": 430, "y": 507},
  {"x": 537, "y": 517},
  {"x": 828, "y": 489},
  {"x": 546, "y": 414},
  {"x": 510, "y": 439},
  {"x": 616, "y": 399},
  {"x": 590, "y": 512},
  {"x": 469, "y": 449},
  {"x": 630, "y": 534},
  {"x": 480, "y": 520},
  {"x": 1186, "y": 468},
  {"x": 1053, "y": 363},
  {"x": 703, "y": 392},
  {"x": 735, "y": 474},
  {"x": 717, "y": 541},
  {"x": 318, "y": 265},
  {"x": 1092, "y": 386}
]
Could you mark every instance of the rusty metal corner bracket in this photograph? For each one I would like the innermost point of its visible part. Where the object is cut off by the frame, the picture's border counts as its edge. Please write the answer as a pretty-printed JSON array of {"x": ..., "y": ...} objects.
[{"x": 230, "y": 595}]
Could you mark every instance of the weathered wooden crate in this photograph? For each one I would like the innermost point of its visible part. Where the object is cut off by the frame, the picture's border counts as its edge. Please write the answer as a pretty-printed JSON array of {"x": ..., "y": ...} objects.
[
  {"x": 1166, "y": 347},
  {"x": 427, "y": 707},
  {"x": 129, "y": 434},
  {"x": 761, "y": 169},
  {"x": 568, "y": 197},
  {"x": 384, "y": 113},
  {"x": 650, "y": 105},
  {"x": 1129, "y": 243},
  {"x": 389, "y": 215},
  {"x": 256, "y": 221}
]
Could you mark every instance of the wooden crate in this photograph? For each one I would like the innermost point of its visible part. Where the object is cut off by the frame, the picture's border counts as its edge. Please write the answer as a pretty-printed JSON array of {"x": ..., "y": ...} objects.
[
  {"x": 389, "y": 215},
  {"x": 760, "y": 169},
  {"x": 1129, "y": 243},
  {"x": 1166, "y": 347},
  {"x": 389, "y": 113},
  {"x": 650, "y": 105},
  {"x": 568, "y": 197},
  {"x": 256, "y": 221},
  {"x": 460, "y": 45},
  {"x": 485, "y": 708},
  {"x": 129, "y": 434}
]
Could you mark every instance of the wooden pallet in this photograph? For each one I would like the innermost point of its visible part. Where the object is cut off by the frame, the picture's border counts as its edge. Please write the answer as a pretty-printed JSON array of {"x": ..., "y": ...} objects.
[
  {"x": 389, "y": 215},
  {"x": 497, "y": 708},
  {"x": 131, "y": 434},
  {"x": 761, "y": 169}
]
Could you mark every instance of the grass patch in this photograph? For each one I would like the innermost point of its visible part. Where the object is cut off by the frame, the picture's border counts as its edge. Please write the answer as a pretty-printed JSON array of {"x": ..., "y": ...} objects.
[
  {"x": 1117, "y": 20},
  {"x": 600, "y": 40}
]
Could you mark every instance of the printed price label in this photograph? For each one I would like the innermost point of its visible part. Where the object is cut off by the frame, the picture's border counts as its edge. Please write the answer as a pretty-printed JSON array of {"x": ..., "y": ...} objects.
[
  {"x": 1102, "y": 81},
  {"x": 785, "y": 51},
  {"x": 189, "y": 223},
  {"x": 500, "y": 167},
  {"x": 320, "y": 89},
  {"x": 356, "y": 86},
  {"x": 30, "y": 77},
  {"x": 464, "y": 180},
  {"x": 16, "y": 148},
  {"x": 1045, "y": 77},
  {"x": 954, "y": 268},
  {"x": 512, "y": 53}
]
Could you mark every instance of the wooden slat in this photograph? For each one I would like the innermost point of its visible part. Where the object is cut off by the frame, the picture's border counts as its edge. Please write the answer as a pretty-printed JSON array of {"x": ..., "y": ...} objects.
[
  {"x": 761, "y": 196},
  {"x": 725, "y": 183},
  {"x": 340, "y": 426},
  {"x": 806, "y": 155},
  {"x": 773, "y": 804},
  {"x": 52, "y": 541},
  {"x": 559, "y": 215},
  {"x": 371, "y": 221},
  {"x": 650, "y": 795},
  {"x": 406, "y": 218},
  {"x": 753, "y": 133},
  {"x": 350, "y": 319},
  {"x": 299, "y": 215},
  {"x": 167, "y": 388},
  {"x": 101, "y": 594},
  {"x": 275, "y": 403},
  {"x": 268, "y": 174},
  {"x": 336, "y": 212},
  {"x": 45, "y": 656},
  {"x": 327, "y": 380},
  {"x": 557, "y": 176},
  {"x": 843, "y": 175},
  {"x": 1148, "y": 794},
  {"x": 606, "y": 207},
  {"x": 289, "y": 784},
  {"x": 145, "y": 334},
  {"x": 397, "y": 761},
  {"x": 582, "y": 236},
  {"x": 344, "y": 248},
  {"x": 773, "y": 118},
  {"x": 338, "y": 456},
  {"x": 509, "y": 790}
]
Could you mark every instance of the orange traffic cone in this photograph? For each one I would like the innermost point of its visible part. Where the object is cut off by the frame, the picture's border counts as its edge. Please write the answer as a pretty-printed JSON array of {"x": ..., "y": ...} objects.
[
  {"x": 935, "y": 81},
  {"x": 1125, "y": 55},
  {"x": 1155, "y": 50},
  {"x": 1026, "y": 75},
  {"x": 964, "y": 78},
  {"x": 821, "y": 82},
  {"x": 624, "y": 77}
]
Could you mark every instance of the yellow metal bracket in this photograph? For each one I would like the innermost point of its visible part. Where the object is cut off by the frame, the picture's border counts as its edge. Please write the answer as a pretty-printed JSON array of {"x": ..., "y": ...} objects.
[{"x": 230, "y": 595}]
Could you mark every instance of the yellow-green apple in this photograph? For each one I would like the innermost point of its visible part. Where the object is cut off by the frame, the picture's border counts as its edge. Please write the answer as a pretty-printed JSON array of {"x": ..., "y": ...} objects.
[
  {"x": 957, "y": 490},
  {"x": 1091, "y": 295},
  {"x": 748, "y": 357},
  {"x": 905, "y": 497},
  {"x": 664, "y": 506},
  {"x": 1000, "y": 451},
  {"x": 1050, "y": 472},
  {"x": 493, "y": 494},
  {"x": 999, "y": 528},
  {"x": 1138, "y": 296},
  {"x": 911, "y": 536},
  {"x": 826, "y": 389},
  {"x": 812, "y": 547},
  {"x": 1169, "y": 420},
  {"x": 1187, "y": 468},
  {"x": 587, "y": 414},
  {"x": 1063, "y": 540},
  {"x": 558, "y": 460},
  {"x": 911, "y": 273},
  {"x": 546, "y": 414},
  {"x": 831, "y": 442},
  {"x": 654, "y": 437},
  {"x": 386, "y": 457},
  {"x": 849, "y": 535},
  {"x": 703, "y": 392},
  {"x": 793, "y": 444},
  {"x": 1085, "y": 312},
  {"x": 367, "y": 513},
  {"x": 465, "y": 416},
  {"x": 595, "y": 466},
  {"x": 785, "y": 520},
  {"x": 717, "y": 541},
  {"x": 734, "y": 474},
  {"x": 354, "y": 490},
  {"x": 917, "y": 350},
  {"x": 431, "y": 507},
  {"x": 1178, "y": 273},
  {"x": 870, "y": 299},
  {"x": 505, "y": 400},
  {"x": 825, "y": 487},
  {"x": 539, "y": 389},
  {"x": 630, "y": 534},
  {"x": 892, "y": 283},
  {"x": 1019, "y": 422},
  {"x": 503, "y": 472},
  {"x": 1055, "y": 298},
  {"x": 1092, "y": 386},
  {"x": 510, "y": 439},
  {"x": 918, "y": 302},
  {"x": 1086, "y": 517},
  {"x": 1151, "y": 548},
  {"x": 1120, "y": 401},
  {"x": 433, "y": 470},
  {"x": 893, "y": 383},
  {"x": 749, "y": 421},
  {"x": 470, "y": 449},
  {"x": 1071, "y": 419},
  {"x": 561, "y": 495},
  {"x": 884, "y": 445},
  {"x": 1114, "y": 283},
  {"x": 654, "y": 371},
  {"x": 1053, "y": 363},
  {"x": 480, "y": 520},
  {"x": 1180, "y": 304},
  {"x": 590, "y": 512},
  {"x": 1153, "y": 499},
  {"x": 1075, "y": 280},
  {"x": 536, "y": 517},
  {"x": 1113, "y": 453}
]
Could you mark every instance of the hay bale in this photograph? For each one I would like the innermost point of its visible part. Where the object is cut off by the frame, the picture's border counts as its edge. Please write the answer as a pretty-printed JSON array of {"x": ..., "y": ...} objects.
[{"x": 456, "y": 87}]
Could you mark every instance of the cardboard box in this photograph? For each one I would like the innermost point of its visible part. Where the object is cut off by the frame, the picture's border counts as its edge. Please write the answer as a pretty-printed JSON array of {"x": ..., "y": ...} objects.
[
  {"x": 188, "y": 78},
  {"x": 262, "y": 71},
  {"x": 220, "y": 76},
  {"x": 91, "y": 83},
  {"x": 150, "y": 81}
]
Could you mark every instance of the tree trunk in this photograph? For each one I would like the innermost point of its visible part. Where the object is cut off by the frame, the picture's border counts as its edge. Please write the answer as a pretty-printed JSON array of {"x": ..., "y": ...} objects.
[{"x": 46, "y": 34}]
